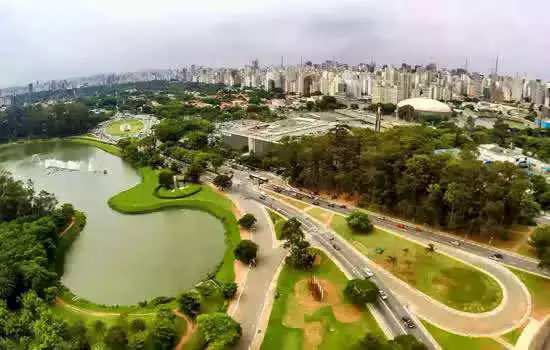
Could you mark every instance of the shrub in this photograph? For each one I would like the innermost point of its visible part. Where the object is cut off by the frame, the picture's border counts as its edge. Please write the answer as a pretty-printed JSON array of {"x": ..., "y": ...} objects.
[
  {"x": 189, "y": 303},
  {"x": 246, "y": 251},
  {"x": 229, "y": 289},
  {"x": 361, "y": 291},
  {"x": 138, "y": 325},
  {"x": 247, "y": 221},
  {"x": 219, "y": 330},
  {"x": 359, "y": 222}
]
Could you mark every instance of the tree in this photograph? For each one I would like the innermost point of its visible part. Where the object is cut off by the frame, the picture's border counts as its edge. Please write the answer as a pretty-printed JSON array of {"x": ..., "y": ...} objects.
[
  {"x": 194, "y": 171},
  {"x": 430, "y": 248},
  {"x": 137, "y": 341},
  {"x": 246, "y": 251},
  {"x": 189, "y": 303},
  {"x": 229, "y": 289},
  {"x": 247, "y": 221},
  {"x": 223, "y": 181},
  {"x": 138, "y": 325},
  {"x": 361, "y": 291},
  {"x": 166, "y": 178},
  {"x": 164, "y": 333},
  {"x": 370, "y": 342},
  {"x": 301, "y": 255},
  {"x": 392, "y": 260},
  {"x": 540, "y": 240},
  {"x": 406, "y": 342},
  {"x": 99, "y": 327},
  {"x": 359, "y": 222},
  {"x": 291, "y": 228},
  {"x": 116, "y": 338},
  {"x": 218, "y": 330}
]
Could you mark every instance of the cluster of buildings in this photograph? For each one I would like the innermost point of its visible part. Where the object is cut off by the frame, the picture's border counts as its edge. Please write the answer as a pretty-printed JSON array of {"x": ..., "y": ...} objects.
[{"x": 386, "y": 84}]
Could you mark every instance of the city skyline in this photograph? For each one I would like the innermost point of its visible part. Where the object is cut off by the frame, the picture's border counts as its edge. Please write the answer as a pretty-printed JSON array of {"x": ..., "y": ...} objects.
[{"x": 38, "y": 45}]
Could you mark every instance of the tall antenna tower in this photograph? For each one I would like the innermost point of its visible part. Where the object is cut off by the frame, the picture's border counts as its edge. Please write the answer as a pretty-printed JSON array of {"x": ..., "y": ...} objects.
[{"x": 496, "y": 67}]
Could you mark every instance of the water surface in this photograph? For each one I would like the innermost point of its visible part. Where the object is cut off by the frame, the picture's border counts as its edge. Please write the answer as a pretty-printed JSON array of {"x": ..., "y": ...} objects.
[{"x": 118, "y": 259}]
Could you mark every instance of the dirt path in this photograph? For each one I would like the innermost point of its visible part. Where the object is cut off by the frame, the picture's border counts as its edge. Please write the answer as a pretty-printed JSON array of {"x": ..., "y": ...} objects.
[
  {"x": 190, "y": 329},
  {"x": 71, "y": 224}
]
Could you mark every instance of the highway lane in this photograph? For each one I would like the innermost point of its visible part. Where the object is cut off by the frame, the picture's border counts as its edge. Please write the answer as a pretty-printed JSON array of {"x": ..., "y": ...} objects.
[
  {"x": 508, "y": 258},
  {"x": 391, "y": 308}
]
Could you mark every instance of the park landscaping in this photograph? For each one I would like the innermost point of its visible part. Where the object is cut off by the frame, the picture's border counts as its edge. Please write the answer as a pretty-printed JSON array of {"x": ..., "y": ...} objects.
[
  {"x": 447, "y": 280},
  {"x": 538, "y": 287},
  {"x": 450, "y": 341},
  {"x": 124, "y": 127},
  {"x": 299, "y": 321},
  {"x": 278, "y": 221}
]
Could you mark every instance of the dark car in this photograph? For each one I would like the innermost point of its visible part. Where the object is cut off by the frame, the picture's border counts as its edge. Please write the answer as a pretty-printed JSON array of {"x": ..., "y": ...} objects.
[
  {"x": 332, "y": 205},
  {"x": 278, "y": 189},
  {"x": 343, "y": 206}
]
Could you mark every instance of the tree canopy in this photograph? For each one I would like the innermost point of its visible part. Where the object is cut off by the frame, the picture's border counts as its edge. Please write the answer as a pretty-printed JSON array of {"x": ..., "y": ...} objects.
[
  {"x": 246, "y": 251},
  {"x": 361, "y": 291},
  {"x": 218, "y": 330},
  {"x": 359, "y": 222}
]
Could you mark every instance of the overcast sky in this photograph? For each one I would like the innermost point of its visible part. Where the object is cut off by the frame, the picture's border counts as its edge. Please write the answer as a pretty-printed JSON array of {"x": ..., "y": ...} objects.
[{"x": 54, "y": 39}]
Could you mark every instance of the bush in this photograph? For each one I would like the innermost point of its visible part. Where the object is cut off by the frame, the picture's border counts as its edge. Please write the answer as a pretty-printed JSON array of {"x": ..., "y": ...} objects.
[
  {"x": 361, "y": 291},
  {"x": 116, "y": 338},
  {"x": 138, "y": 325},
  {"x": 218, "y": 330},
  {"x": 246, "y": 251},
  {"x": 164, "y": 334},
  {"x": 359, "y": 222},
  {"x": 160, "y": 301},
  {"x": 222, "y": 181},
  {"x": 540, "y": 240},
  {"x": 189, "y": 303},
  {"x": 166, "y": 178},
  {"x": 229, "y": 289},
  {"x": 247, "y": 221}
]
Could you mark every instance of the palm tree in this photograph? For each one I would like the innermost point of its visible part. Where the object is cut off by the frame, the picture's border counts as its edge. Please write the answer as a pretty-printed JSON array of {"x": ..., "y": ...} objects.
[
  {"x": 392, "y": 260},
  {"x": 430, "y": 248}
]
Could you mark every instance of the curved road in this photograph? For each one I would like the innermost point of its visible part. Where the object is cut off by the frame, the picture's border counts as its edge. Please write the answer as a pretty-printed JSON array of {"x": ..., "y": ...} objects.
[{"x": 514, "y": 309}]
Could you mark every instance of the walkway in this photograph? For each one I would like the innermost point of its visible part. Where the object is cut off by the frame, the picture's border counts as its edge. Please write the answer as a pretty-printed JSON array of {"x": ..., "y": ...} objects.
[{"x": 249, "y": 308}]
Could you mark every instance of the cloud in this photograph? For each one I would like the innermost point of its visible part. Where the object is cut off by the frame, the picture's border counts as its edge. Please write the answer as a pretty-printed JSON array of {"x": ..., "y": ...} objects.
[{"x": 42, "y": 40}]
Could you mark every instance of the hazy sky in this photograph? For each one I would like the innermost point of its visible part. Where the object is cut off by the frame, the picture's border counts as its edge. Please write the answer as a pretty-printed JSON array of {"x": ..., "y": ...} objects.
[{"x": 53, "y": 39}]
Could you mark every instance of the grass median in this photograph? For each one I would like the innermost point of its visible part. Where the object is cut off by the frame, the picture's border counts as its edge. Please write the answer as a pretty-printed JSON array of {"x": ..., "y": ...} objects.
[{"x": 451, "y": 341}]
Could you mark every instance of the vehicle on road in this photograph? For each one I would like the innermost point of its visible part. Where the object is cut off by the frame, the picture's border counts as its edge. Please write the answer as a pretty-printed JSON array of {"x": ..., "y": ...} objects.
[
  {"x": 343, "y": 206},
  {"x": 496, "y": 257},
  {"x": 315, "y": 202},
  {"x": 335, "y": 247},
  {"x": 332, "y": 205},
  {"x": 401, "y": 225},
  {"x": 408, "y": 322},
  {"x": 368, "y": 272},
  {"x": 383, "y": 295},
  {"x": 455, "y": 243},
  {"x": 278, "y": 189}
]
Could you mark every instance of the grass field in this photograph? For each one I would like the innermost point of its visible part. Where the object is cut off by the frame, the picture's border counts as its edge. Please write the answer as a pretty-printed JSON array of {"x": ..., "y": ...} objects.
[
  {"x": 115, "y": 127},
  {"x": 539, "y": 288},
  {"x": 297, "y": 321},
  {"x": 141, "y": 199},
  {"x": 278, "y": 222},
  {"x": 107, "y": 147},
  {"x": 439, "y": 276},
  {"x": 450, "y": 341}
]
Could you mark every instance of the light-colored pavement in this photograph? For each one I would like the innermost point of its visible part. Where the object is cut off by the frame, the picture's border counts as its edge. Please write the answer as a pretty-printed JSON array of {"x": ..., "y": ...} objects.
[{"x": 248, "y": 311}]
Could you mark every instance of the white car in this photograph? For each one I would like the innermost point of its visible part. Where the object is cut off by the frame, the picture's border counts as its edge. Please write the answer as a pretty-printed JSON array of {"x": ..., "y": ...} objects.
[
  {"x": 368, "y": 272},
  {"x": 455, "y": 243},
  {"x": 383, "y": 295}
]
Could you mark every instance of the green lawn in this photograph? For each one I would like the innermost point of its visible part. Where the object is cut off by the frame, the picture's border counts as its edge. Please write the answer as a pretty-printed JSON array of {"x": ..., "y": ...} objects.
[
  {"x": 450, "y": 341},
  {"x": 278, "y": 222},
  {"x": 445, "y": 279},
  {"x": 87, "y": 140},
  {"x": 114, "y": 128},
  {"x": 513, "y": 336},
  {"x": 186, "y": 191},
  {"x": 141, "y": 199},
  {"x": 289, "y": 321},
  {"x": 539, "y": 288}
]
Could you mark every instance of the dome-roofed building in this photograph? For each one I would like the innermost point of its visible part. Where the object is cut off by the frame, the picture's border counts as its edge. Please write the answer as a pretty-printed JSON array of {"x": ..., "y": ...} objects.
[{"x": 423, "y": 110}]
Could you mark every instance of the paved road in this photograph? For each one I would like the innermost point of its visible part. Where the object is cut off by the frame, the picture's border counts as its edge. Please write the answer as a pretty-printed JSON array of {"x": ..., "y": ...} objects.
[
  {"x": 514, "y": 309},
  {"x": 253, "y": 298},
  {"x": 391, "y": 309},
  {"x": 508, "y": 258}
]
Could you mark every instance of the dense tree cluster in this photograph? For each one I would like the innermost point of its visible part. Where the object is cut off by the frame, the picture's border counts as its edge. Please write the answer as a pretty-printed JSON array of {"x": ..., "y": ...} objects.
[
  {"x": 397, "y": 171},
  {"x": 246, "y": 251},
  {"x": 47, "y": 121},
  {"x": 29, "y": 235},
  {"x": 247, "y": 221}
]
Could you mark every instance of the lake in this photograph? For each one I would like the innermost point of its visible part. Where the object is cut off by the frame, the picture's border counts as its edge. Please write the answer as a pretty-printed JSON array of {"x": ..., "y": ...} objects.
[{"x": 118, "y": 259}]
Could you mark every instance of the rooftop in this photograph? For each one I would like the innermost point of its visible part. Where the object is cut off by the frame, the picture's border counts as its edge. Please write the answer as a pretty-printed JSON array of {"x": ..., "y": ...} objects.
[{"x": 425, "y": 105}]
